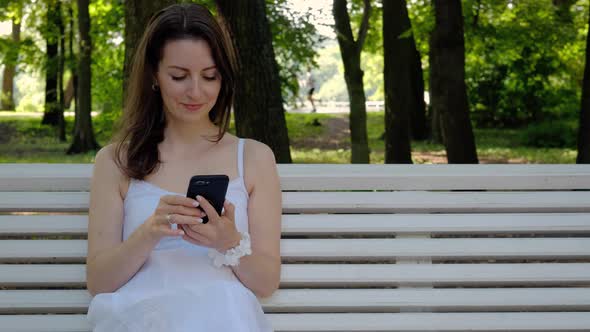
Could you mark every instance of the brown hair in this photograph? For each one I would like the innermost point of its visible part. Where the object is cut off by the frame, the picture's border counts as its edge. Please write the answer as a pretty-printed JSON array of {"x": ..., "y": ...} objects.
[{"x": 142, "y": 126}]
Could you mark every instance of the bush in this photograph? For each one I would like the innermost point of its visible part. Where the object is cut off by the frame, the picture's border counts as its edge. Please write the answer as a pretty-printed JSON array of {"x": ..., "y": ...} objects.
[{"x": 550, "y": 134}]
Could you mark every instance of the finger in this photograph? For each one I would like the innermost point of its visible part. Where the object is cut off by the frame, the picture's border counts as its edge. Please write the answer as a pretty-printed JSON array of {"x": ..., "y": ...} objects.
[
  {"x": 165, "y": 209},
  {"x": 208, "y": 208},
  {"x": 179, "y": 200},
  {"x": 199, "y": 238},
  {"x": 230, "y": 210},
  {"x": 174, "y": 232},
  {"x": 185, "y": 220}
]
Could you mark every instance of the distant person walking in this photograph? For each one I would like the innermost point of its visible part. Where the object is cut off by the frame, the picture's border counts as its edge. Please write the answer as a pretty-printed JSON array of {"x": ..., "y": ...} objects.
[{"x": 311, "y": 88}]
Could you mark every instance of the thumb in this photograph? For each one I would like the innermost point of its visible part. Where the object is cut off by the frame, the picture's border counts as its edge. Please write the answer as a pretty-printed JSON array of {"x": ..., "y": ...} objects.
[{"x": 230, "y": 210}]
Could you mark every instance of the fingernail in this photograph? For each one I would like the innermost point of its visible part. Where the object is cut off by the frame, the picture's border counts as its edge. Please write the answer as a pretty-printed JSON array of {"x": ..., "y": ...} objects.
[
  {"x": 199, "y": 197},
  {"x": 195, "y": 204},
  {"x": 199, "y": 220}
]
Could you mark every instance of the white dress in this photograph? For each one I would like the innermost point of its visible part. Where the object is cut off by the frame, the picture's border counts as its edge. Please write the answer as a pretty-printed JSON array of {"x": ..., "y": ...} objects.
[{"x": 178, "y": 288}]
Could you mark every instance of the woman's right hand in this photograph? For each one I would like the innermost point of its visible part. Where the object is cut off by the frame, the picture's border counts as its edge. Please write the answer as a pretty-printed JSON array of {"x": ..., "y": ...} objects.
[{"x": 173, "y": 209}]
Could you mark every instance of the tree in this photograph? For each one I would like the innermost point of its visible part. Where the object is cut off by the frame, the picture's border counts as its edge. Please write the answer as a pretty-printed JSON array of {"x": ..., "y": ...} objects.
[
  {"x": 72, "y": 85},
  {"x": 448, "y": 89},
  {"x": 404, "y": 86},
  {"x": 350, "y": 50},
  {"x": 584, "y": 127},
  {"x": 258, "y": 105},
  {"x": 11, "y": 57},
  {"x": 83, "y": 134},
  {"x": 60, "y": 76},
  {"x": 53, "y": 114},
  {"x": 294, "y": 40},
  {"x": 137, "y": 16}
]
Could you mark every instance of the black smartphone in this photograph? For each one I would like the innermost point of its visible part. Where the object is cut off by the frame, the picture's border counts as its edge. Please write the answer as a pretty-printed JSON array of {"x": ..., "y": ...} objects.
[{"x": 212, "y": 187}]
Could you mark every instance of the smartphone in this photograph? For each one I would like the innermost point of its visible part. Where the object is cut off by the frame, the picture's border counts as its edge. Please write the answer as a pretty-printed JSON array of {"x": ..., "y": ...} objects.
[{"x": 212, "y": 187}]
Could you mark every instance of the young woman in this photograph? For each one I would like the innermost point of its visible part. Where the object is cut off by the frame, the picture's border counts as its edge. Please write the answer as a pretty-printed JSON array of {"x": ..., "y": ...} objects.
[{"x": 152, "y": 264}]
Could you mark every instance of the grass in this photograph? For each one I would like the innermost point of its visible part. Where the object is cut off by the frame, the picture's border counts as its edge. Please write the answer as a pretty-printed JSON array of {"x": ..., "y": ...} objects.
[{"x": 315, "y": 138}]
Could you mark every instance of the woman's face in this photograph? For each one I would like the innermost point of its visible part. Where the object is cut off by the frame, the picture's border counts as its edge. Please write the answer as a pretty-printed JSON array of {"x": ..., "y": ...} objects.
[{"x": 188, "y": 79}]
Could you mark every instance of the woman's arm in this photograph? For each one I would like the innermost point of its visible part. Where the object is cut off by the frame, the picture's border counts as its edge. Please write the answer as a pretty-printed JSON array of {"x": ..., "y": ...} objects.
[
  {"x": 261, "y": 270},
  {"x": 111, "y": 262}
]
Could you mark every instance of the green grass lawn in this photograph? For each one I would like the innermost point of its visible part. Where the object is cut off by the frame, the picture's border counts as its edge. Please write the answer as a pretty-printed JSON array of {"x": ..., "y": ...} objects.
[{"x": 315, "y": 138}]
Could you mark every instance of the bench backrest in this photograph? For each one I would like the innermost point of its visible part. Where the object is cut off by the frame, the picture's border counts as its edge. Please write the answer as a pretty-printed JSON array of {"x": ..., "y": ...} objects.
[{"x": 365, "y": 248}]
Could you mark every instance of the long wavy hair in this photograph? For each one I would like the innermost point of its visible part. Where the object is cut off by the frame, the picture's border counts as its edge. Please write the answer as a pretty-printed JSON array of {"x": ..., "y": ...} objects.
[{"x": 141, "y": 128}]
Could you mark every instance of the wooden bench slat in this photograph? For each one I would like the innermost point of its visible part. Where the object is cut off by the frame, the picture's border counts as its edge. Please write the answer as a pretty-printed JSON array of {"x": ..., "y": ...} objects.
[
  {"x": 352, "y": 202},
  {"x": 348, "y": 322},
  {"x": 346, "y": 249},
  {"x": 444, "y": 299},
  {"x": 347, "y": 275},
  {"x": 44, "y": 201},
  {"x": 76, "y": 177},
  {"x": 344, "y": 300},
  {"x": 329, "y": 224},
  {"x": 359, "y": 275},
  {"x": 435, "y": 202},
  {"x": 376, "y": 224},
  {"x": 440, "y": 322},
  {"x": 43, "y": 224}
]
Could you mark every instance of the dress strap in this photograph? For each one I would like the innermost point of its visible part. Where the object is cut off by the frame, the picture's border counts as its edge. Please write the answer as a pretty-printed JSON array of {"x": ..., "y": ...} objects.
[{"x": 241, "y": 157}]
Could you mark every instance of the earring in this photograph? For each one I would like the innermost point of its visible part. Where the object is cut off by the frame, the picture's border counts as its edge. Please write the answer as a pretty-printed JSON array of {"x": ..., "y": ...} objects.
[{"x": 155, "y": 87}]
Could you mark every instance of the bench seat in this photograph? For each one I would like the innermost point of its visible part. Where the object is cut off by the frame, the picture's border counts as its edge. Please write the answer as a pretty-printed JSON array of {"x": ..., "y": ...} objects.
[{"x": 364, "y": 248}]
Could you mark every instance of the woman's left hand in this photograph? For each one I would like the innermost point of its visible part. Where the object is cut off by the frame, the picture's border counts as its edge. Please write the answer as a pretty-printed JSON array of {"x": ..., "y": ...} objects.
[{"x": 219, "y": 233}]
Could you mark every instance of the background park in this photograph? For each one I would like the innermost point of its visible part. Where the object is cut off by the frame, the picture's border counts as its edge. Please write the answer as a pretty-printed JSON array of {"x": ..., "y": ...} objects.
[{"x": 473, "y": 81}]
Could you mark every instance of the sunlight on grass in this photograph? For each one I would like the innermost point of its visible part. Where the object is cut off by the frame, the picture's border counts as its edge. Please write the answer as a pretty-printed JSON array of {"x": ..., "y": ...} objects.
[{"x": 315, "y": 138}]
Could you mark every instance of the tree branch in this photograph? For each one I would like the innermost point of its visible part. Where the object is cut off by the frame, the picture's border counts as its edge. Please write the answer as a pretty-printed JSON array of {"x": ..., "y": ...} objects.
[
  {"x": 363, "y": 29},
  {"x": 342, "y": 23}
]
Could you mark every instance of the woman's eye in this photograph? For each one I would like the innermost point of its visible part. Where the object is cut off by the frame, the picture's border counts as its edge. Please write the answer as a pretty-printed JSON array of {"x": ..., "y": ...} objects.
[
  {"x": 178, "y": 78},
  {"x": 210, "y": 78}
]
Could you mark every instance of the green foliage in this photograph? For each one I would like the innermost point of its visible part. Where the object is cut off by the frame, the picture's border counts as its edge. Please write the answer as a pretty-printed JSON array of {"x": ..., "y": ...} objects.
[
  {"x": 524, "y": 59},
  {"x": 550, "y": 134},
  {"x": 330, "y": 74},
  {"x": 521, "y": 63},
  {"x": 295, "y": 41},
  {"x": 107, "y": 26}
]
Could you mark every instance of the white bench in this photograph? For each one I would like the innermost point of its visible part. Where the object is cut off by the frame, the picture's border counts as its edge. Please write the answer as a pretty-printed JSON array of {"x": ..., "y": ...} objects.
[{"x": 365, "y": 248}]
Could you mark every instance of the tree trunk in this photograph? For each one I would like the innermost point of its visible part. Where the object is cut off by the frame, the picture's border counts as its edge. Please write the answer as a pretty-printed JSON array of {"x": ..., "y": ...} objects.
[
  {"x": 60, "y": 75},
  {"x": 52, "y": 114},
  {"x": 11, "y": 58},
  {"x": 449, "y": 94},
  {"x": 433, "y": 114},
  {"x": 436, "y": 134},
  {"x": 475, "y": 21},
  {"x": 83, "y": 134},
  {"x": 353, "y": 75},
  {"x": 584, "y": 128},
  {"x": 418, "y": 121},
  {"x": 137, "y": 15},
  {"x": 398, "y": 57},
  {"x": 72, "y": 86},
  {"x": 258, "y": 104}
]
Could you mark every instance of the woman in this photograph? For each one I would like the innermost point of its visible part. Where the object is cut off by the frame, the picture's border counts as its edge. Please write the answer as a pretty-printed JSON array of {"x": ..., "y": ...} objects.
[{"x": 150, "y": 265}]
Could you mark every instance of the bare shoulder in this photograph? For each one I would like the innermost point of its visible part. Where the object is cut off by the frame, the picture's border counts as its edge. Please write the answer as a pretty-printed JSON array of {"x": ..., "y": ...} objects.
[
  {"x": 106, "y": 169},
  {"x": 259, "y": 162},
  {"x": 105, "y": 158},
  {"x": 258, "y": 152}
]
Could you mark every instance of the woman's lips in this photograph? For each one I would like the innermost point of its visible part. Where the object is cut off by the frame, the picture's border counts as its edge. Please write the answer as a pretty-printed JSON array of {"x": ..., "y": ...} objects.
[{"x": 192, "y": 107}]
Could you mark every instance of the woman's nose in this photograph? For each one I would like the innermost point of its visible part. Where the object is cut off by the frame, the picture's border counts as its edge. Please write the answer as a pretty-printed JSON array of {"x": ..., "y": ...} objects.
[{"x": 195, "y": 89}]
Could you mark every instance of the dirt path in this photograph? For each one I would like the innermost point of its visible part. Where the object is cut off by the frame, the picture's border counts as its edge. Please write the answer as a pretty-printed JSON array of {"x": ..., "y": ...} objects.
[{"x": 337, "y": 133}]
